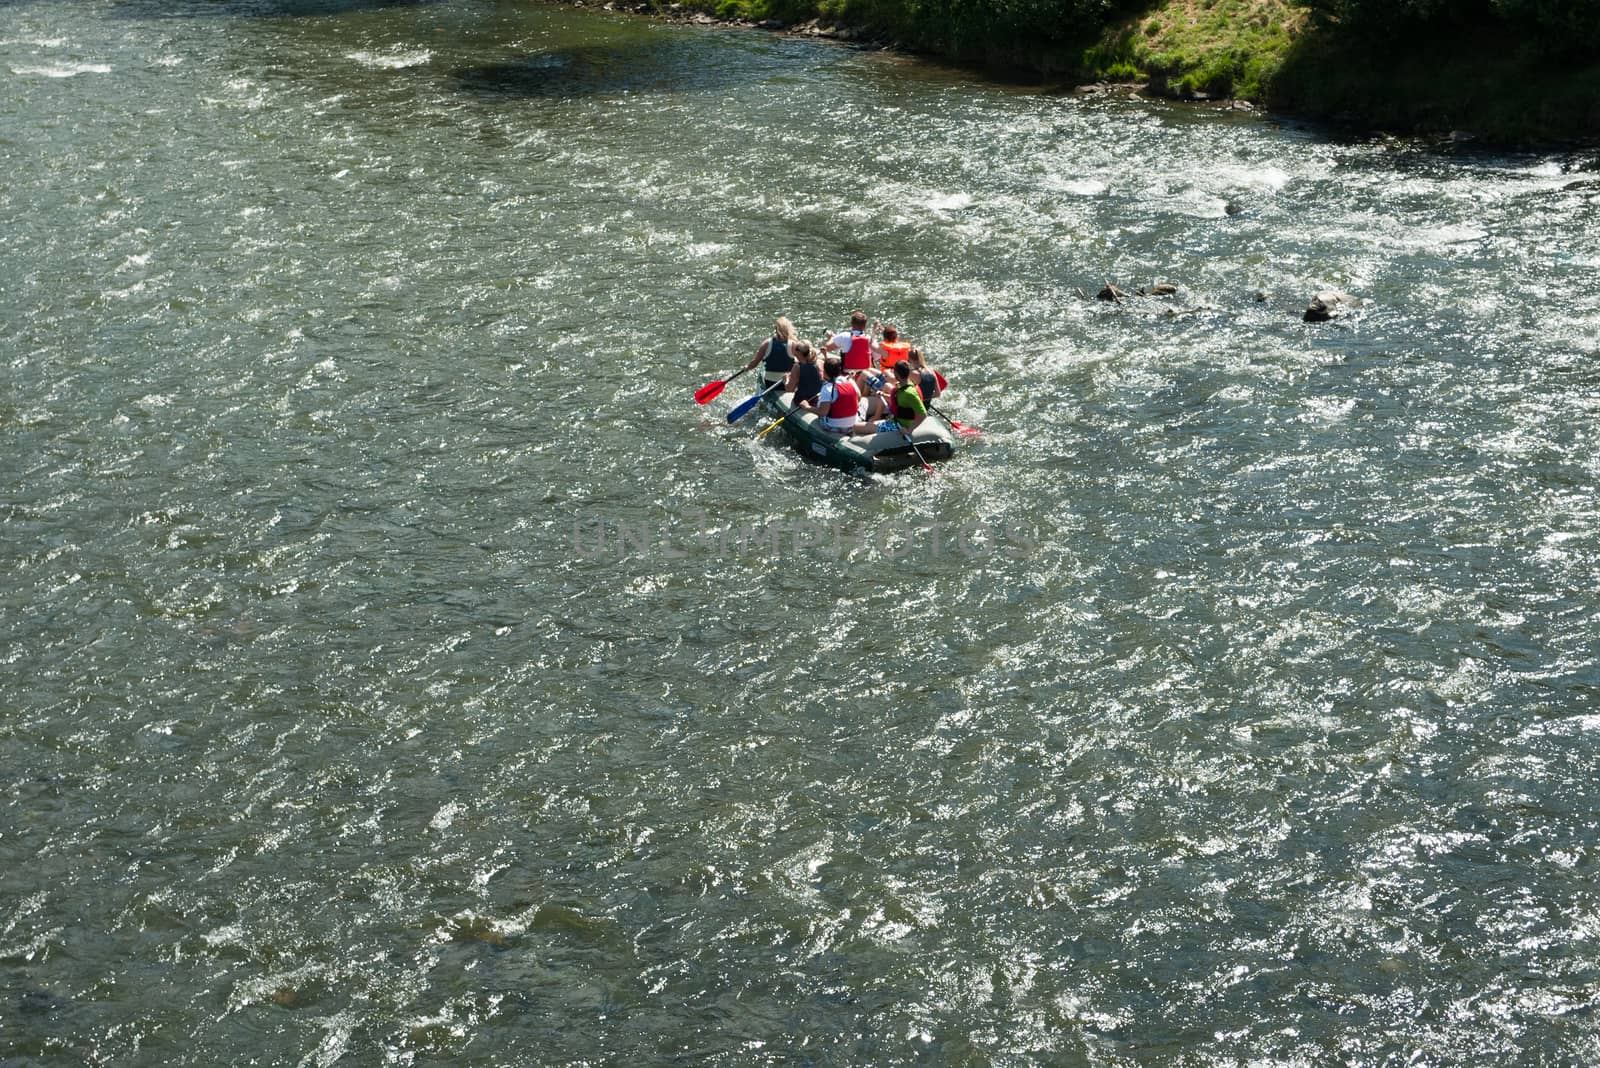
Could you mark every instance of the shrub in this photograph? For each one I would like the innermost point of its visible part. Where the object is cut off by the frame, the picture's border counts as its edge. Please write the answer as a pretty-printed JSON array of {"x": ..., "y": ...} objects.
[{"x": 1558, "y": 26}]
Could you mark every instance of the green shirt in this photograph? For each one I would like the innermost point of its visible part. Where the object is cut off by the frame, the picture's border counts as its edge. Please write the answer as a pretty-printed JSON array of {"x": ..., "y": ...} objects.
[{"x": 908, "y": 405}]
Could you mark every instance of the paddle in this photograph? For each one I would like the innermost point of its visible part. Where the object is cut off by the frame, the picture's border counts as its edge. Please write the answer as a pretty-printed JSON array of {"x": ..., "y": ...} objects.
[
  {"x": 779, "y": 422},
  {"x": 960, "y": 428},
  {"x": 926, "y": 466},
  {"x": 742, "y": 409},
  {"x": 710, "y": 390}
]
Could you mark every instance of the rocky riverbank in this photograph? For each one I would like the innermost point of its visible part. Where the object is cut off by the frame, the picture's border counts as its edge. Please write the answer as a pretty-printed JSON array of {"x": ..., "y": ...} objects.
[
  {"x": 1105, "y": 66},
  {"x": 1465, "y": 84}
]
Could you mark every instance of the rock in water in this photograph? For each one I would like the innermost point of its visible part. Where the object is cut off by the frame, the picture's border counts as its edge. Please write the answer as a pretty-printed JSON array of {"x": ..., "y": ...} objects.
[
  {"x": 41, "y": 1000},
  {"x": 1110, "y": 292},
  {"x": 1326, "y": 304}
]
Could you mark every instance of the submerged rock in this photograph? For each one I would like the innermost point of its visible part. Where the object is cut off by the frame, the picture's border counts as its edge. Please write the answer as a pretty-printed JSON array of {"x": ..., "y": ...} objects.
[
  {"x": 1110, "y": 292},
  {"x": 1097, "y": 88},
  {"x": 41, "y": 1000},
  {"x": 1326, "y": 304}
]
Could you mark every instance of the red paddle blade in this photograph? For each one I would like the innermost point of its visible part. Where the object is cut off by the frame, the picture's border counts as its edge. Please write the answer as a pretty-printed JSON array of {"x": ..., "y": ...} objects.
[
  {"x": 964, "y": 430},
  {"x": 943, "y": 383},
  {"x": 709, "y": 391}
]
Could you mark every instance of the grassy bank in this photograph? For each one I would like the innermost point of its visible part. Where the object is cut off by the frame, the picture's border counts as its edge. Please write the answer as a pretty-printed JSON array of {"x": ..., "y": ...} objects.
[
  {"x": 1481, "y": 78},
  {"x": 1211, "y": 47},
  {"x": 1481, "y": 75},
  {"x": 1220, "y": 48},
  {"x": 1476, "y": 80}
]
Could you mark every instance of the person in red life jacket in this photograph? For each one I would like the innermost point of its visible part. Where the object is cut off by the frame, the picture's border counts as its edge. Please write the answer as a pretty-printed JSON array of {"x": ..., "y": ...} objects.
[
  {"x": 839, "y": 403},
  {"x": 855, "y": 345},
  {"x": 906, "y": 409}
]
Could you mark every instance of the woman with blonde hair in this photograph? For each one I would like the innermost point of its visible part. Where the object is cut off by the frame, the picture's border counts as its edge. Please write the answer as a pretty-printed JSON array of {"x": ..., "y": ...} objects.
[
  {"x": 774, "y": 352},
  {"x": 805, "y": 380}
]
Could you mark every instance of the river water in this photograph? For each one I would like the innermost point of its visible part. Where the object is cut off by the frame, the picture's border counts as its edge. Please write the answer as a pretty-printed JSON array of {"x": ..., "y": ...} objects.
[{"x": 397, "y": 666}]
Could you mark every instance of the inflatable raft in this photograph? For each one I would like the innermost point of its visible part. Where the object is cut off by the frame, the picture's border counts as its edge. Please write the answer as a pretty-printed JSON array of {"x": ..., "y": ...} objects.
[{"x": 884, "y": 451}]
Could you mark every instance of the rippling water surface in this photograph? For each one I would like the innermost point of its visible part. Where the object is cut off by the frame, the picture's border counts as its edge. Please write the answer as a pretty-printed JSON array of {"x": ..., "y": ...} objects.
[{"x": 1252, "y": 718}]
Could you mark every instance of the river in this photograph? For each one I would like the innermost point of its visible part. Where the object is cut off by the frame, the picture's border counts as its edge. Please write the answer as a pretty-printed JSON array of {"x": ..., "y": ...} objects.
[{"x": 397, "y": 666}]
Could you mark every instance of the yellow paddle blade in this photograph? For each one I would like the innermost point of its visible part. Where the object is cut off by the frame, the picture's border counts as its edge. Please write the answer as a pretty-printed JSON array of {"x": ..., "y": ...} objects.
[{"x": 770, "y": 429}]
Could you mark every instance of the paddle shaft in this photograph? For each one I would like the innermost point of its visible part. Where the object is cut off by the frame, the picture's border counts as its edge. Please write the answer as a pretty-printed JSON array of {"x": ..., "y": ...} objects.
[
  {"x": 710, "y": 390},
  {"x": 788, "y": 412},
  {"x": 926, "y": 466},
  {"x": 964, "y": 428},
  {"x": 745, "y": 407}
]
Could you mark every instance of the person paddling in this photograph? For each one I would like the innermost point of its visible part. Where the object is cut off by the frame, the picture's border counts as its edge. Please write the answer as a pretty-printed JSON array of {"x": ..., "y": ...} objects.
[
  {"x": 774, "y": 352},
  {"x": 927, "y": 378},
  {"x": 854, "y": 344},
  {"x": 838, "y": 403},
  {"x": 891, "y": 350},
  {"x": 876, "y": 392},
  {"x": 905, "y": 402},
  {"x": 805, "y": 379}
]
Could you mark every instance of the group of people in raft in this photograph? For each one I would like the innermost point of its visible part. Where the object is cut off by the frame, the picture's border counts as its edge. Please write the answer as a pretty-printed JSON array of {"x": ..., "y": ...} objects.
[{"x": 866, "y": 384}]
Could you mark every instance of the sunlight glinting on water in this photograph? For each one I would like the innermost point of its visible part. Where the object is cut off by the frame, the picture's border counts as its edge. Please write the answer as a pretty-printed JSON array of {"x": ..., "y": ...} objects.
[{"x": 1251, "y": 727}]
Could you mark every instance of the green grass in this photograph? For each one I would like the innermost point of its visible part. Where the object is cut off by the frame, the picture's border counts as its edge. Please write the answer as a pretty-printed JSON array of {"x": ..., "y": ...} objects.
[
  {"x": 1449, "y": 78},
  {"x": 1218, "y": 47},
  {"x": 1469, "y": 79}
]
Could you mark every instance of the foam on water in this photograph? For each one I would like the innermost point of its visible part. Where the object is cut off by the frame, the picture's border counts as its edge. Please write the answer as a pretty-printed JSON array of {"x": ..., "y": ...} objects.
[
  {"x": 61, "y": 70},
  {"x": 398, "y": 60},
  {"x": 1082, "y": 187},
  {"x": 951, "y": 202}
]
